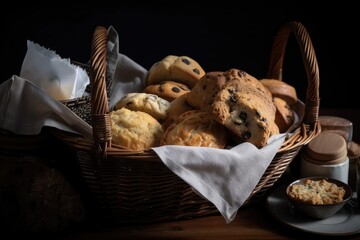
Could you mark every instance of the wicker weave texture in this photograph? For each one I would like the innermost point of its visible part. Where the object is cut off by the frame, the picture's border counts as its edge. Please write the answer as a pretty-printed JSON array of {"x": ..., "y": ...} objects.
[{"x": 135, "y": 186}]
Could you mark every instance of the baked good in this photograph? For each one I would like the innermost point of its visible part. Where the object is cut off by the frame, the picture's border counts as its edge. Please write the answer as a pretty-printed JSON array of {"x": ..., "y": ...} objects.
[
  {"x": 317, "y": 192},
  {"x": 195, "y": 128},
  {"x": 145, "y": 102},
  {"x": 284, "y": 116},
  {"x": 135, "y": 130},
  {"x": 354, "y": 149},
  {"x": 176, "y": 68},
  {"x": 250, "y": 81},
  {"x": 177, "y": 107},
  {"x": 244, "y": 110},
  {"x": 281, "y": 89},
  {"x": 168, "y": 90},
  {"x": 203, "y": 93},
  {"x": 273, "y": 128}
]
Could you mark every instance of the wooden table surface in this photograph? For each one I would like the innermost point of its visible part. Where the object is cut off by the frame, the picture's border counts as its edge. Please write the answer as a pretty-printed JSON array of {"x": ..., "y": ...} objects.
[{"x": 252, "y": 222}]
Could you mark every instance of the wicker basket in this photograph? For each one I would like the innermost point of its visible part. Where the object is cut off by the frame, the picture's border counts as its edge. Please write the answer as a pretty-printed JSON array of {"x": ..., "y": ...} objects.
[{"x": 135, "y": 186}]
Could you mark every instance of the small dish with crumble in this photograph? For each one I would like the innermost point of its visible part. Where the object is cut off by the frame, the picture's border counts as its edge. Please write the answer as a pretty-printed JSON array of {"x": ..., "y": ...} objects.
[{"x": 318, "y": 197}]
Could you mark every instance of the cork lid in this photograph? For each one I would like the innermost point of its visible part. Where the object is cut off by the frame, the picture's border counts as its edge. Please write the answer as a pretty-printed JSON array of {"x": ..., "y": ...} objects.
[{"x": 326, "y": 148}]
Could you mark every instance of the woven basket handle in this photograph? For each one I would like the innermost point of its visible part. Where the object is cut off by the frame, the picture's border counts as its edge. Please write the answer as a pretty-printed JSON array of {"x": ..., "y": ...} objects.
[
  {"x": 99, "y": 101},
  {"x": 311, "y": 66}
]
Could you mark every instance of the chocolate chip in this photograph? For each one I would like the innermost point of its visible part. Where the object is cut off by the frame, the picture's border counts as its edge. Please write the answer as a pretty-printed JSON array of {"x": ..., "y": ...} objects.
[
  {"x": 260, "y": 90},
  {"x": 243, "y": 115},
  {"x": 238, "y": 122},
  {"x": 233, "y": 98},
  {"x": 197, "y": 71},
  {"x": 261, "y": 126},
  {"x": 230, "y": 90},
  {"x": 246, "y": 135},
  {"x": 263, "y": 119},
  {"x": 175, "y": 89},
  {"x": 186, "y": 61}
]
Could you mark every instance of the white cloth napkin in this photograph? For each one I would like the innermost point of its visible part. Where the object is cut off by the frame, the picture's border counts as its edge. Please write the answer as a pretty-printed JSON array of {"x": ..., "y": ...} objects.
[
  {"x": 226, "y": 177},
  {"x": 25, "y": 109}
]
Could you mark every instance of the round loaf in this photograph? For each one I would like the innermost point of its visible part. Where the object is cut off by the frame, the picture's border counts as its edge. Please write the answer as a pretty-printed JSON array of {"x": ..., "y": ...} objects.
[
  {"x": 135, "y": 130},
  {"x": 195, "y": 128},
  {"x": 281, "y": 89}
]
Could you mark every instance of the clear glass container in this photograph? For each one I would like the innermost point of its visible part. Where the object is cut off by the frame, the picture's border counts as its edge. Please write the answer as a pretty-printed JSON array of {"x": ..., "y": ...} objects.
[{"x": 339, "y": 125}]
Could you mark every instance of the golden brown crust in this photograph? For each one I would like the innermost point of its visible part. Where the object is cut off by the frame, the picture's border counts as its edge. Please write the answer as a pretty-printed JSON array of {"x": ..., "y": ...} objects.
[
  {"x": 177, "y": 107},
  {"x": 135, "y": 130},
  {"x": 281, "y": 89},
  {"x": 168, "y": 90},
  {"x": 354, "y": 149},
  {"x": 243, "y": 108},
  {"x": 195, "y": 128},
  {"x": 203, "y": 93},
  {"x": 181, "y": 69},
  {"x": 145, "y": 102},
  {"x": 284, "y": 116}
]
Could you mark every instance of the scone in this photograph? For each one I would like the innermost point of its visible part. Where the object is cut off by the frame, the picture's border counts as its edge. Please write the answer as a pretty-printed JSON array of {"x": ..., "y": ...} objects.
[
  {"x": 281, "y": 89},
  {"x": 245, "y": 112},
  {"x": 284, "y": 116},
  {"x": 181, "y": 69},
  {"x": 177, "y": 107},
  {"x": 248, "y": 80},
  {"x": 202, "y": 95},
  {"x": 168, "y": 90},
  {"x": 145, "y": 102},
  {"x": 195, "y": 128},
  {"x": 135, "y": 130}
]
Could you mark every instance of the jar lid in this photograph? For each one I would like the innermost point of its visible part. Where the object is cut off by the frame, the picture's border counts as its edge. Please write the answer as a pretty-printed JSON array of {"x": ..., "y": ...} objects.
[
  {"x": 327, "y": 121},
  {"x": 327, "y": 148}
]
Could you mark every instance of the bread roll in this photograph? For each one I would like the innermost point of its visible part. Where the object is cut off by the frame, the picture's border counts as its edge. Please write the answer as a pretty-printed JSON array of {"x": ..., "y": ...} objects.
[
  {"x": 181, "y": 69},
  {"x": 135, "y": 130},
  {"x": 168, "y": 90},
  {"x": 281, "y": 89}
]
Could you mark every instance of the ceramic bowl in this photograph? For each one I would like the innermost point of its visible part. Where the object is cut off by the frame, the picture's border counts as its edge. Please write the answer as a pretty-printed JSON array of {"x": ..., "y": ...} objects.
[{"x": 319, "y": 211}]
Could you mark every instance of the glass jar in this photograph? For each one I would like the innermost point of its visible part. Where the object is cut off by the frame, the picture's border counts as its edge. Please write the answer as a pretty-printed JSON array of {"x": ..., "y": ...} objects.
[{"x": 339, "y": 125}]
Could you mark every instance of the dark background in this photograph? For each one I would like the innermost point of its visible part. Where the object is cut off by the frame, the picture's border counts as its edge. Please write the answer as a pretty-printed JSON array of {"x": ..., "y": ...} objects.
[{"x": 218, "y": 36}]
